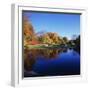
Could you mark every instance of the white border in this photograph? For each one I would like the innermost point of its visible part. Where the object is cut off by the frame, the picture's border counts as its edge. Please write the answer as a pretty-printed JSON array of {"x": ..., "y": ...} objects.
[{"x": 16, "y": 77}]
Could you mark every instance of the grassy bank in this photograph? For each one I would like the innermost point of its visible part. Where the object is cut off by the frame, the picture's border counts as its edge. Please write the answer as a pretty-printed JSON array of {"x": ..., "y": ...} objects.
[{"x": 44, "y": 47}]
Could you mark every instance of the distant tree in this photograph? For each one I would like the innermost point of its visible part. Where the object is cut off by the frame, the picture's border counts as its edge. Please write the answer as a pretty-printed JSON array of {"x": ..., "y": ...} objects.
[
  {"x": 74, "y": 37},
  {"x": 65, "y": 39},
  {"x": 50, "y": 38},
  {"x": 77, "y": 41}
]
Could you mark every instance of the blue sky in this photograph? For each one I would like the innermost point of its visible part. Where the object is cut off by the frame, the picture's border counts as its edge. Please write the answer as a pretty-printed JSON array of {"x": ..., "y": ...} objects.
[{"x": 61, "y": 23}]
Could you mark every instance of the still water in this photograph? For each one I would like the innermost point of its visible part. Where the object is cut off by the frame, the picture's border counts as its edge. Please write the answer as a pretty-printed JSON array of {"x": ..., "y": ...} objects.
[{"x": 51, "y": 62}]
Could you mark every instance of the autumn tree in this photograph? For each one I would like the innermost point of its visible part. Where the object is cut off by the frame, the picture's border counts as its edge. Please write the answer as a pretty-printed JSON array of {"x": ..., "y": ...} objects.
[
  {"x": 29, "y": 34},
  {"x": 50, "y": 38}
]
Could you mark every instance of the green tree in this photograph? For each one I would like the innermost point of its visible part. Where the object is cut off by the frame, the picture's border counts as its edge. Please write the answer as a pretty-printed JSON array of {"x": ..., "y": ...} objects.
[{"x": 65, "y": 40}]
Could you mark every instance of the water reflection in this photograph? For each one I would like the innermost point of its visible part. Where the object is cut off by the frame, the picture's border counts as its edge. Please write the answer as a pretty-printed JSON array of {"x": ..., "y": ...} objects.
[{"x": 31, "y": 57}]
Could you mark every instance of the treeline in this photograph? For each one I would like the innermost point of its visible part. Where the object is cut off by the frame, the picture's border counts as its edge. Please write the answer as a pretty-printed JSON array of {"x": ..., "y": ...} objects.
[
  {"x": 51, "y": 38},
  {"x": 30, "y": 37}
]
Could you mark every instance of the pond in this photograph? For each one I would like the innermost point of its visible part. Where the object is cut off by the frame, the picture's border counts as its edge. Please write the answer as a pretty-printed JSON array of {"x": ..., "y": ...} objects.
[{"x": 51, "y": 62}]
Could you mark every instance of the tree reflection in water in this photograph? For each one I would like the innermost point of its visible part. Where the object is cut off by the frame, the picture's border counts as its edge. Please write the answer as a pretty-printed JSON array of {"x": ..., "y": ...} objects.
[{"x": 30, "y": 57}]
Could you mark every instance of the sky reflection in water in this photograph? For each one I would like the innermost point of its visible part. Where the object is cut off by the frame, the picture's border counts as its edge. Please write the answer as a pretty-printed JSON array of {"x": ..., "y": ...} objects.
[{"x": 51, "y": 62}]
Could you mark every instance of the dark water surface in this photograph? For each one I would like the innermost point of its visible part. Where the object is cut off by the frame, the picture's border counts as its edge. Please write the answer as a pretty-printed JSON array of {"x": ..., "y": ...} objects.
[{"x": 51, "y": 62}]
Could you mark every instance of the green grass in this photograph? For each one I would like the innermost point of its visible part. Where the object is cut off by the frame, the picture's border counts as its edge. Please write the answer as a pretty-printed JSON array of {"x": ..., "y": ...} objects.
[
  {"x": 43, "y": 47},
  {"x": 47, "y": 47},
  {"x": 35, "y": 46}
]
